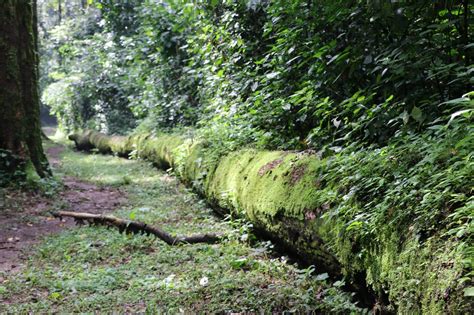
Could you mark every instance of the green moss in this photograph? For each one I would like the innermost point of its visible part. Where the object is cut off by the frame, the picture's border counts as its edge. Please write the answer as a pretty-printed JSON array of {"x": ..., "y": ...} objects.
[
  {"x": 193, "y": 165},
  {"x": 101, "y": 142},
  {"x": 32, "y": 177},
  {"x": 434, "y": 266},
  {"x": 260, "y": 187},
  {"x": 117, "y": 145},
  {"x": 158, "y": 149},
  {"x": 269, "y": 184}
]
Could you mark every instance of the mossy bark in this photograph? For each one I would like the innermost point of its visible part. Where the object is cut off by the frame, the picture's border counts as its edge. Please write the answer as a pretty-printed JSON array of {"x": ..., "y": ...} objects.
[{"x": 20, "y": 130}]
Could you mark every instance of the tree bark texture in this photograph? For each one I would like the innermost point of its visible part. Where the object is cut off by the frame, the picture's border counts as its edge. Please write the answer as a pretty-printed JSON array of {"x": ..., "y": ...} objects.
[{"x": 20, "y": 130}]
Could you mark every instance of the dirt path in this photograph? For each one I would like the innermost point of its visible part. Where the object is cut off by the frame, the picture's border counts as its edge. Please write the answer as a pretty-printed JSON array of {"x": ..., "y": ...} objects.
[{"x": 24, "y": 216}]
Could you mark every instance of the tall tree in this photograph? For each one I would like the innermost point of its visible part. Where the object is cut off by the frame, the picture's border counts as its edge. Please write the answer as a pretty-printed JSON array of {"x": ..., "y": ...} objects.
[
  {"x": 60, "y": 12},
  {"x": 20, "y": 131}
]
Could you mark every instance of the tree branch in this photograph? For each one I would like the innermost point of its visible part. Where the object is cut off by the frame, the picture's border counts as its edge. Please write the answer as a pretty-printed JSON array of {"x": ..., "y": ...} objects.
[{"x": 136, "y": 227}]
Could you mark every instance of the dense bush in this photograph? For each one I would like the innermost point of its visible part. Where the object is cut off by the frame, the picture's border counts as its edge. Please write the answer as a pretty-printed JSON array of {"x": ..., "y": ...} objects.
[
  {"x": 83, "y": 76},
  {"x": 11, "y": 168},
  {"x": 289, "y": 74}
]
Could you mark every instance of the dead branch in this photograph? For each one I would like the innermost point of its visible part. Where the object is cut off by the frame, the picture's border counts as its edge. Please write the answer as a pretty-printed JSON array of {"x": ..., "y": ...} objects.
[{"x": 136, "y": 227}]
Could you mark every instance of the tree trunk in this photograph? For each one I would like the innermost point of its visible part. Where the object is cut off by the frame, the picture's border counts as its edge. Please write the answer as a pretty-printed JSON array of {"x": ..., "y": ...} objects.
[
  {"x": 20, "y": 131},
  {"x": 465, "y": 34},
  {"x": 69, "y": 8},
  {"x": 60, "y": 12}
]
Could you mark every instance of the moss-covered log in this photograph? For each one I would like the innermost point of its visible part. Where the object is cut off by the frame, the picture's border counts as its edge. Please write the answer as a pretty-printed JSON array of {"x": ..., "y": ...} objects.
[{"x": 282, "y": 194}]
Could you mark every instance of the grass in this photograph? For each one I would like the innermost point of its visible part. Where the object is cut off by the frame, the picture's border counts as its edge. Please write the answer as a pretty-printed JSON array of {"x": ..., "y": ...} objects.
[{"x": 90, "y": 269}]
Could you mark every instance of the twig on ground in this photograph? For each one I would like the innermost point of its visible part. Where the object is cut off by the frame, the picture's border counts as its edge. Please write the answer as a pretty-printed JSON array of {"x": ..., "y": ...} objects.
[{"x": 136, "y": 227}]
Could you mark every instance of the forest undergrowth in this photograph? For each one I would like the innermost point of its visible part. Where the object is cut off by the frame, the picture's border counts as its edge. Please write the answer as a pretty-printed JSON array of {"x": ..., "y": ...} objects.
[{"x": 87, "y": 269}]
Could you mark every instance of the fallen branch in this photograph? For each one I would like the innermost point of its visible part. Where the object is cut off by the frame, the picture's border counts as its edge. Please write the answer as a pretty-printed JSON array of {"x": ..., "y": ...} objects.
[{"x": 137, "y": 227}]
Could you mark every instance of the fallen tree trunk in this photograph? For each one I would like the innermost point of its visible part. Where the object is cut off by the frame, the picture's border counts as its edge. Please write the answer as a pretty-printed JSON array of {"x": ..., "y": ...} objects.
[
  {"x": 298, "y": 200},
  {"x": 137, "y": 228},
  {"x": 161, "y": 151},
  {"x": 82, "y": 141},
  {"x": 289, "y": 232}
]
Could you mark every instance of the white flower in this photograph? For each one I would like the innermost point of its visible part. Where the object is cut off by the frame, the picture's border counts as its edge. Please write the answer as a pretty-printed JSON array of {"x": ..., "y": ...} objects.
[
  {"x": 204, "y": 281},
  {"x": 169, "y": 279}
]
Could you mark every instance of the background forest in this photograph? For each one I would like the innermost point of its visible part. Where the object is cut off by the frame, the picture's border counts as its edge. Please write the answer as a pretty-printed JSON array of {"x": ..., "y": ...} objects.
[
  {"x": 381, "y": 92},
  {"x": 280, "y": 74}
]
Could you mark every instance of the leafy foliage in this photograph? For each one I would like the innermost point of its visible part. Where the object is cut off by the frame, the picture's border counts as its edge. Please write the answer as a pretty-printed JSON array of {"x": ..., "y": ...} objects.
[
  {"x": 283, "y": 74},
  {"x": 82, "y": 76},
  {"x": 11, "y": 168}
]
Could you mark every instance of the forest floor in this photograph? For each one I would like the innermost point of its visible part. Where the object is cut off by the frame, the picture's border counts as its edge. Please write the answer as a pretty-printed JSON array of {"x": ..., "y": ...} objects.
[
  {"x": 26, "y": 215},
  {"x": 51, "y": 265}
]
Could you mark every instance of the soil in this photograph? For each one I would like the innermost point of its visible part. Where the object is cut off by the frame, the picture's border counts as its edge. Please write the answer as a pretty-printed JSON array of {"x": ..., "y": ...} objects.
[{"x": 25, "y": 216}]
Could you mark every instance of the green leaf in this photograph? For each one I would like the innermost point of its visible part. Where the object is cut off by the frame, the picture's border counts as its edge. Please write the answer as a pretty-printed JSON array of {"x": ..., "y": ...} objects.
[
  {"x": 405, "y": 117},
  {"x": 354, "y": 225},
  {"x": 417, "y": 114},
  {"x": 333, "y": 59},
  {"x": 239, "y": 263},
  {"x": 459, "y": 113},
  {"x": 322, "y": 276},
  {"x": 272, "y": 75},
  {"x": 469, "y": 291},
  {"x": 55, "y": 296}
]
